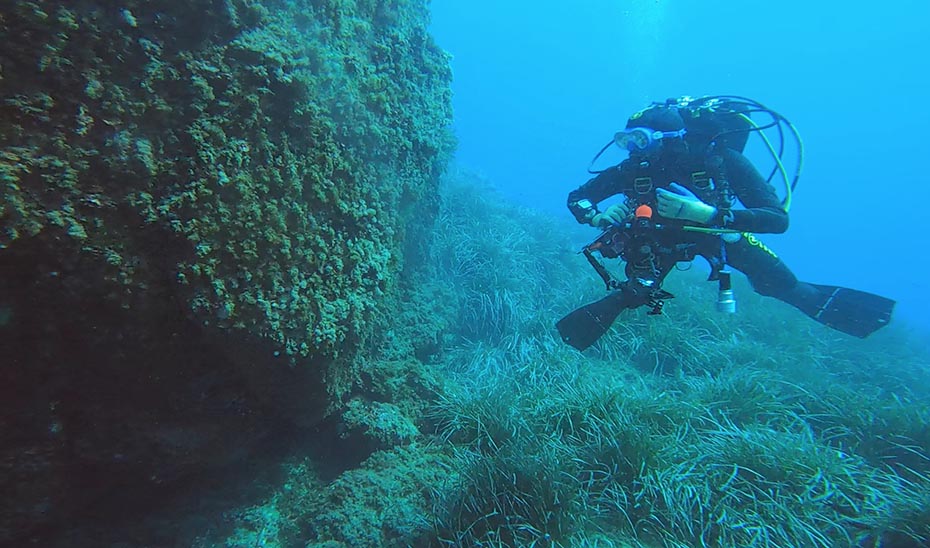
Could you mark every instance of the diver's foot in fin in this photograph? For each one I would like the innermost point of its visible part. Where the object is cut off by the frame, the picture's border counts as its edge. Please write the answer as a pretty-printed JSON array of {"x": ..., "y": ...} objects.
[
  {"x": 584, "y": 326},
  {"x": 853, "y": 312}
]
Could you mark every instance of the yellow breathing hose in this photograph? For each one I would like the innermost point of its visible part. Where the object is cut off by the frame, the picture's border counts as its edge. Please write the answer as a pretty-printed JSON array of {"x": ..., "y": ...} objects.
[{"x": 786, "y": 203}]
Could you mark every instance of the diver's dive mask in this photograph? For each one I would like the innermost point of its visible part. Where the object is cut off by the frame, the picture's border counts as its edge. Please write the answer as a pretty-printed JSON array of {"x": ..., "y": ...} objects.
[{"x": 638, "y": 139}]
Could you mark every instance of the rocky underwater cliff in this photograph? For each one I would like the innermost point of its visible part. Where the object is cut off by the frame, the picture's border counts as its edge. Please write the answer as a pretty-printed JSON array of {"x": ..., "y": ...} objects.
[{"x": 206, "y": 211}]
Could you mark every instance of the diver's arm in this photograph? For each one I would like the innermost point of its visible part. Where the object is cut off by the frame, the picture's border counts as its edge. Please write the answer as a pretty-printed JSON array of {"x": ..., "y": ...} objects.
[
  {"x": 764, "y": 212},
  {"x": 582, "y": 201}
]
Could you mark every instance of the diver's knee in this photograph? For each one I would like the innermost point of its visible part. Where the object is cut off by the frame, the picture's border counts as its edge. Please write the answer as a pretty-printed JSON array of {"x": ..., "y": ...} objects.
[{"x": 777, "y": 281}]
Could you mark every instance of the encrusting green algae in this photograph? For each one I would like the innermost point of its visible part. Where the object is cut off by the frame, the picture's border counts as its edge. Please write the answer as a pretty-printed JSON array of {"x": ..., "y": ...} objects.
[{"x": 267, "y": 140}]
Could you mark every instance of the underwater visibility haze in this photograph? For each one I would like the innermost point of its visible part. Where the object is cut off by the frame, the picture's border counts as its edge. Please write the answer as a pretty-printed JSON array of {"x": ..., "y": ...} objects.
[
  {"x": 539, "y": 87},
  {"x": 331, "y": 273}
]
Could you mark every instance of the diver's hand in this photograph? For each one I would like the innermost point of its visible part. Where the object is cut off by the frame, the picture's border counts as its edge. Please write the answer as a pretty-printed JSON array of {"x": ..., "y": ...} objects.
[
  {"x": 615, "y": 214},
  {"x": 681, "y": 204}
]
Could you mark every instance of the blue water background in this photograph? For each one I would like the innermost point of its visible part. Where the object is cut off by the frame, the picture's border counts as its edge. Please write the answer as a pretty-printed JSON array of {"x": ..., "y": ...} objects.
[{"x": 540, "y": 86}]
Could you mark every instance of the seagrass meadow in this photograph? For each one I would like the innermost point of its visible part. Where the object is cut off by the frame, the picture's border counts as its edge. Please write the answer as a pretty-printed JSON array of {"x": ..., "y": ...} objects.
[{"x": 247, "y": 301}]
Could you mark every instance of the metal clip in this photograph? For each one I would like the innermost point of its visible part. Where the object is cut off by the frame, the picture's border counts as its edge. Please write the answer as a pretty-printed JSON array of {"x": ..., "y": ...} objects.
[{"x": 642, "y": 185}]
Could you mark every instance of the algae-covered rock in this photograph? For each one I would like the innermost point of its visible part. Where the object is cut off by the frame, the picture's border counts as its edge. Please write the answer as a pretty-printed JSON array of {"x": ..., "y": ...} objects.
[
  {"x": 281, "y": 146},
  {"x": 390, "y": 501},
  {"x": 203, "y": 205}
]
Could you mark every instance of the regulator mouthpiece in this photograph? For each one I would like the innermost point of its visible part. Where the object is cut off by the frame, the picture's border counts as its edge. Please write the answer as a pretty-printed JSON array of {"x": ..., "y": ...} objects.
[{"x": 726, "y": 302}]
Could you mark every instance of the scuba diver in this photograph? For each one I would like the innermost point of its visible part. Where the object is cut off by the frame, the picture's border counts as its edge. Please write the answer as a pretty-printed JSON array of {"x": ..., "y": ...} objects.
[{"x": 687, "y": 190}]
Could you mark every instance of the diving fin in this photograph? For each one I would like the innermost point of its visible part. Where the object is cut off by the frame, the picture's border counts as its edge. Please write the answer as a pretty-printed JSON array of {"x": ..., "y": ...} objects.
[
  {"x": 851, "y": 311},
  {"x": 584, "y": 326}
]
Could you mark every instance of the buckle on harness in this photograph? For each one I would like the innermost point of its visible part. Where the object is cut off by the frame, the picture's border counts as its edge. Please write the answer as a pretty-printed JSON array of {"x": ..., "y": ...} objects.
[
  {"x": 642, "y": 185},
  {"x": 702, "y": 181}
]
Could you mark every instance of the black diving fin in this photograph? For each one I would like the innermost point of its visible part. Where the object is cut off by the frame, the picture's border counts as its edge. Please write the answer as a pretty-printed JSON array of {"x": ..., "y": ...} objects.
[
  {"x": 584, "y": 326},
  {"x": 851, "y": 311}
]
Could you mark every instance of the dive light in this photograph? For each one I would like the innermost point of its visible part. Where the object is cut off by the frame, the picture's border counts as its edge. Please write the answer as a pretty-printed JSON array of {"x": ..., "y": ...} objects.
[{"x": 726, "y": 302}]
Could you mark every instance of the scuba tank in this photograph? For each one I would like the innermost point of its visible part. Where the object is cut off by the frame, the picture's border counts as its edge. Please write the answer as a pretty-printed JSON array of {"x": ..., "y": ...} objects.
[{"x": 714, "y": 122}]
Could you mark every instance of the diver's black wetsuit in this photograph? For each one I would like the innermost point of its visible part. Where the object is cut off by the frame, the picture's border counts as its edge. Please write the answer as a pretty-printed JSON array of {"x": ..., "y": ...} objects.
[
  {"x": 717, "y": 180},
  {"x": 696, "y": 144}
]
